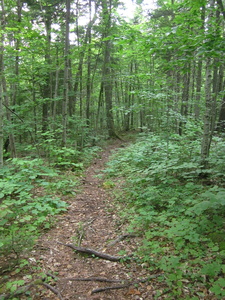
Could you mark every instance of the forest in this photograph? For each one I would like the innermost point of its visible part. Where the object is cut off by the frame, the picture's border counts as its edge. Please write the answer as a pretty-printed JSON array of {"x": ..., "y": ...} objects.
[{"x": 78, "y": 76}]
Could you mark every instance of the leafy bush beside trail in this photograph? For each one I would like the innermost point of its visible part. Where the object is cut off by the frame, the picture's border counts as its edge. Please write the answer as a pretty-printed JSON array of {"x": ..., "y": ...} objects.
[
  {"x": 31, "y": 193},
  {"x": 179, "y": 208}
]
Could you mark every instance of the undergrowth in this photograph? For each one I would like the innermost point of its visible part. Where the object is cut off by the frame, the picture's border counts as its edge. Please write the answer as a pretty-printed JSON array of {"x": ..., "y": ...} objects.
[
  {"x": 31, "y": 195},
  {"x": 179, "y": 208}
]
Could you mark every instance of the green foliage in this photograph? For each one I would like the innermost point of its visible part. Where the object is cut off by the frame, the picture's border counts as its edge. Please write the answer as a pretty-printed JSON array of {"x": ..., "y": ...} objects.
[
  {"x": 180, "y": 212},
  {"x": 69, "y": 158},
  {"x": 26, "y": 206}
]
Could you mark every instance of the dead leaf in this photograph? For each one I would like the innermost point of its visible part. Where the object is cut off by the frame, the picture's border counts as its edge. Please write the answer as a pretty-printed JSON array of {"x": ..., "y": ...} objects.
[{"x": 133, "y": 292}]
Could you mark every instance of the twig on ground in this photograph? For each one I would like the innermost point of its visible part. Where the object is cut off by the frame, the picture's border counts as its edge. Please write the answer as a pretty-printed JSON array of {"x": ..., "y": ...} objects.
[
  {"x": 107, "y": 288},
  {"x": 121, "y": 238},
  {"x": 95, "y": 253},
  {"x": 51, "y": 288},
  {"x": 100, "y": 279},
  {"x": 25, "y": 288},
  {"x": 126, "y": 285}
]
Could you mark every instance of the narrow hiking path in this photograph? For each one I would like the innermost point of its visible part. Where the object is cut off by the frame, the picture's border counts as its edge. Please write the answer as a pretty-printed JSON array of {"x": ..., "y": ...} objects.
[{"x": 91, "y": 222}]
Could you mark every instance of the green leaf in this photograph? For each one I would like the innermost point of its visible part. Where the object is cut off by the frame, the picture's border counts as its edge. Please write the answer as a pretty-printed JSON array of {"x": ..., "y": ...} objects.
[{"x": 211, "y": 269}]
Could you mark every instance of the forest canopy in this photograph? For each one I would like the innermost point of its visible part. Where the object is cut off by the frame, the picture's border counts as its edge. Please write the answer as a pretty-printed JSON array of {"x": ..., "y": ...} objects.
[{"x": 78, "y": 81}]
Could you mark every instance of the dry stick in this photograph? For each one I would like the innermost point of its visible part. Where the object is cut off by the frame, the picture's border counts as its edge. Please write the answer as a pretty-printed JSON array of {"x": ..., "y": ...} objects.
[
  {"x": 94, "y": 252},
  {"x": 121, "y": 238},
  {"x": 100, "y": 279},
  {"x": 57, "y": 293},
  {"x": 107, "y": 288},
  {"x": 122, "y": 286}
]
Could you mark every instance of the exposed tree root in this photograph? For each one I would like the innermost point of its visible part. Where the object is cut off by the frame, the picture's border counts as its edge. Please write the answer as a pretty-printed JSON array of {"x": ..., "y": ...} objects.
[
  {"x": 125, "y": 285},
  {"x": 95, "y": 253},
  {"x": 56, "y": 292}
]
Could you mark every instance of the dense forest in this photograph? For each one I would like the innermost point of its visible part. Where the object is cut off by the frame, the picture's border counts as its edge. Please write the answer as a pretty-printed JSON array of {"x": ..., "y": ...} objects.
[{"x": 74, "y": 74}]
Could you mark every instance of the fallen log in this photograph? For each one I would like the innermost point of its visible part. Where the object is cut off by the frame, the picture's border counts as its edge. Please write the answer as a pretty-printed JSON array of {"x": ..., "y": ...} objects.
[{"x": 95, "y": 253}]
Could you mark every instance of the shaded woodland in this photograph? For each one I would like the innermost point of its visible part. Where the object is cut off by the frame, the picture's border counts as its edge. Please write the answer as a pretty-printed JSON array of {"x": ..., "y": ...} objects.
[{"x": 74, "y": 74}]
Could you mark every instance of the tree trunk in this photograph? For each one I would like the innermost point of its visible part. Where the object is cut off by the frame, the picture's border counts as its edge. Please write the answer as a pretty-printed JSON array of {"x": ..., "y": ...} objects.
[
  {"x": 107, "y": 73},
  {"x": 1, "y": 109},
  {"x": 47, "y": 88},
  {"x": 4, "y": 92},
  {"x": 206, "y": 139},
  {"x": 88, "y": 98},
  {"x": 211, "y": 88},
  {"x": 199, "y": 73},
  {"x": 66, "y": 76},
  {"x": 185, "y": 97}
]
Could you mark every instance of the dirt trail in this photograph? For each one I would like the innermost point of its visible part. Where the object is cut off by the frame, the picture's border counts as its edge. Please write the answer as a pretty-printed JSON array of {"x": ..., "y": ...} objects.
[{"x": 91, "y": 219}]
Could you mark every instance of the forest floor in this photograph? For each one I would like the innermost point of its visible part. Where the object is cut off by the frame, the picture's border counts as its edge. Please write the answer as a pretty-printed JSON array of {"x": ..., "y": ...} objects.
[{"x": 91, "y": 221}]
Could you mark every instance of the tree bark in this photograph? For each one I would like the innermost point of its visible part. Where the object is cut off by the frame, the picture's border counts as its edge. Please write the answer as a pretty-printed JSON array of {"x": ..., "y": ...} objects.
[
  {"x": 185, "y": 97},
  {"x": 66, "y": 76},
  {"x": 88, "y": 98},
  {"x": 209, "y": 101},
  {"x": 208, "y": 114},
  {"x": 4, "y": 91},
  {"x": 107, "y": 73},
  {"x": 1, "y": 115}
]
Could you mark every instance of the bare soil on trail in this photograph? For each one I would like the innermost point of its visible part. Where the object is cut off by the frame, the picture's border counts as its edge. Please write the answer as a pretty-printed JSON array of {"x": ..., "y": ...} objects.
[{"x": 92, "y": 221}]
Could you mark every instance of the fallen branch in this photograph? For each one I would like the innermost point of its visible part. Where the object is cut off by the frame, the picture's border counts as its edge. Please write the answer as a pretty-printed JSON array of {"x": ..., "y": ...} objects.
[
  {"x": 121, "y": 238},
  {"x": 94, "y": 252},
  {"x": 93, "y": 279},
  {"x": 107, "y": 288},
  {"x": 25, "y": 288},
  {"x": 51, "y": 288},
  {"x": 126, "y": 285}
]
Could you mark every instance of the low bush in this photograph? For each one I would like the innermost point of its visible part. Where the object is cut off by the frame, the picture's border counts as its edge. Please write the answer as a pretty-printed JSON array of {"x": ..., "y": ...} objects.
[
  {"x": 26, "y": 204},
  {"x": 180, "y": 211}
]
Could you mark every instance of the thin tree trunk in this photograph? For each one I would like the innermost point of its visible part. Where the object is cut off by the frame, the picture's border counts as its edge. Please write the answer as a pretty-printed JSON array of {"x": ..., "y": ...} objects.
[
  {"x": 54, "y": 105},
  {"x": 47, "y": 88},
  {"x": 107, "y": 73},
  {"x": 78, "y": 75},
  {"x": 4, "y": 91},
  {"x": 208, "y": 114},
  {"x": 199, "y": 73},
  {"x": 1, "y": 105},
  {"x": 1, "y": 89},
  {"x": 210, "y": 85},
  {"x": 185, "y": 97},
  {"x": 66, "y": 76},
  {"x": 88, "y": 98},
  {"x": 99, "y": 117}
]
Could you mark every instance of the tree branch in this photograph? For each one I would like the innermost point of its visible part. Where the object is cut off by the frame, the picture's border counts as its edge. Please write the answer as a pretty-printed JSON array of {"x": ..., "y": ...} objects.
[
  {"x": 94, "y": 252},
  {"x": 126, "y": 285}
]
